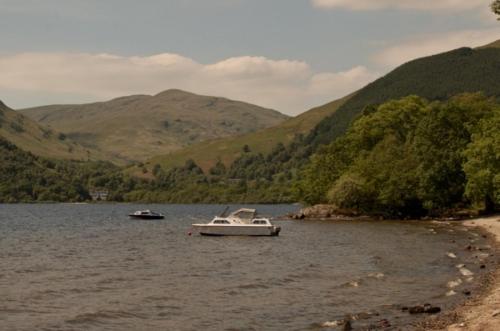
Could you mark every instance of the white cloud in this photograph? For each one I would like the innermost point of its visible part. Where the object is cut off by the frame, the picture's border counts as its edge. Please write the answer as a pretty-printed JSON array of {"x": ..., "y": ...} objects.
[
  {"x": 426, "y": 45},
  {"x": 345, "y": 82},
  {"x": 450, "y": 5},
  {"x": 285, "y": 85}
]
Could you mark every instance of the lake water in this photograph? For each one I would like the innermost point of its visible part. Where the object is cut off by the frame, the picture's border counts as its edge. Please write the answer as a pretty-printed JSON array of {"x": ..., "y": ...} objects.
[{"x": 90, "y": 267}]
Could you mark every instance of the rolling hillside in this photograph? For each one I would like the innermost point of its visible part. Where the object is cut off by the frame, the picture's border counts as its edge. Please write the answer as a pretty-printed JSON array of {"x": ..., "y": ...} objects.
[
  {"x": 140, "y": 126},
  {"x": 207, "y": 153},
  {"x": 436, "y": 77},
  {"x": 32, "y": 137}
]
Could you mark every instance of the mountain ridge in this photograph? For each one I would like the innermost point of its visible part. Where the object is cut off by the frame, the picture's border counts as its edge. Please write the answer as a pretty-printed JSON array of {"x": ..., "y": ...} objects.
[{"x": 139, "y": 126}]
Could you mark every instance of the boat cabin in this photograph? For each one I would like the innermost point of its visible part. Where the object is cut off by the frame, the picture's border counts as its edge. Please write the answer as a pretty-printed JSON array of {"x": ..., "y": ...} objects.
[{"x": 220, "y": 221}]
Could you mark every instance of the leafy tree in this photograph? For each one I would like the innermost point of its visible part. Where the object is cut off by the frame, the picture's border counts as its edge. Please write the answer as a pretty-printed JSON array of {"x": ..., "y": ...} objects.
[
  {"x": 483, "y": 163},
  {"x": 219, "y": 169}
]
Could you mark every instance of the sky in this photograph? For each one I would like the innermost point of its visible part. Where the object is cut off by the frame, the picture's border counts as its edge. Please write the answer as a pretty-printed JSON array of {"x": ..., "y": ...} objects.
[{"x": 289, "y": 55}]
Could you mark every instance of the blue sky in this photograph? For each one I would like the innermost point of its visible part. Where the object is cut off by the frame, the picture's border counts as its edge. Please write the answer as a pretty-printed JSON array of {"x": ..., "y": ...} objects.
[{"x": 285, "y": 54}]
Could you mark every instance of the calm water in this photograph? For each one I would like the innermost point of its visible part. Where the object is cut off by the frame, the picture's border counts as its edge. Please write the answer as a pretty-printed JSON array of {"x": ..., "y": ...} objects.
[{"x": 89, "y": 267}]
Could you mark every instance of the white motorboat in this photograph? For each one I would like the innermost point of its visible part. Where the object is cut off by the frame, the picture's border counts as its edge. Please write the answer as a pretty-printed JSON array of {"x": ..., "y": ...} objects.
[{"x": 243, "y": 222}]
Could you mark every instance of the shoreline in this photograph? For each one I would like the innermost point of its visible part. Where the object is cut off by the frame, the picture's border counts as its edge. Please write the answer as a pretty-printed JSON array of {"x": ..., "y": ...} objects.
[{"x": 481, "y": 312}]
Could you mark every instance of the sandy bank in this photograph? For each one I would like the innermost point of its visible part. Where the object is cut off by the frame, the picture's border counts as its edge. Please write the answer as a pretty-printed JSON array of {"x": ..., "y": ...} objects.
[{"x": 483, "y": 313}]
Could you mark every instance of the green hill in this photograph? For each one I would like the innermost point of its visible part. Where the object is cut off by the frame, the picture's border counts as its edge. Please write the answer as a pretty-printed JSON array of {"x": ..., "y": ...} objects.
[
  {"x": 437, "y": 77},
  {"x": 206, "y": 154},
  {"x": 140, "y": 126},
  {"x": 30, "y": 136}
]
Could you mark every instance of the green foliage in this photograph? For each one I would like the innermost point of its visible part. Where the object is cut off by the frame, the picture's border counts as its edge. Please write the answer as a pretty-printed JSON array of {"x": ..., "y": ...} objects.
[
  {"x": 410, "y": 157},
  {"x": 188, "y": 184},
  {"x": 219, "y": 169},
  {"x": 482, "y": 167}
]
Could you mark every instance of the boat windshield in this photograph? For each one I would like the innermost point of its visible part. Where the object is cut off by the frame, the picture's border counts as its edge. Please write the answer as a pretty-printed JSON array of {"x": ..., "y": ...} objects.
[{"x": 245, "y": 214}]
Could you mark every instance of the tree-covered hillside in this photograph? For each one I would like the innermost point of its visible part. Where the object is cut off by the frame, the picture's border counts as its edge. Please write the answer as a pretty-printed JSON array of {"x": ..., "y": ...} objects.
[
  {"x": 412, "y": 157},
  {"x": 437, "y": 77},
  {"x": 25, "y": 177}
]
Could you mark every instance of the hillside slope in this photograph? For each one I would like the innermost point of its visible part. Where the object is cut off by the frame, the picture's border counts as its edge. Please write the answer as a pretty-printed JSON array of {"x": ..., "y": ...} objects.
[
  {"x": 140, "y": 126},
  {"x": 206, "y": 154},
  {"x": 30, "y": 136},
  {"x": 436, "y": 77}
]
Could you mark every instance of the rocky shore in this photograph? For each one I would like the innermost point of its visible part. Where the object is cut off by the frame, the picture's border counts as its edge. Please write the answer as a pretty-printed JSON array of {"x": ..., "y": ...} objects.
[
  {"x": 481, "y": 313},
  {"x": 327, "y": 212}
]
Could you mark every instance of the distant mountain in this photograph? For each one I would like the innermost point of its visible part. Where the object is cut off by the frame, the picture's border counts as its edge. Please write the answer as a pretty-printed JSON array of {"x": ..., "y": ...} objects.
[
  {"x": 141, "y": 126},
  {"x": 32, "y": 137},
  {"x": 436, "y": 77},
  {"x": 206, "y": 154}
]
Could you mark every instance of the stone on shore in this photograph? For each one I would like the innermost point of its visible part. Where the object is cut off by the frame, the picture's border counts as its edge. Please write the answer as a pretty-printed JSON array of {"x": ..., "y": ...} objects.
[
  {"x": 325, "y": 212},
  {"x": 427, "y": 309}
]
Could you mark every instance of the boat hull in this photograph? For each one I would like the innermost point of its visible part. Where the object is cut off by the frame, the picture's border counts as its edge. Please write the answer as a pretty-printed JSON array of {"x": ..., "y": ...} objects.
[
  {"x": 237, "y": 230},
  {"x": 147, "y": 217}
]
